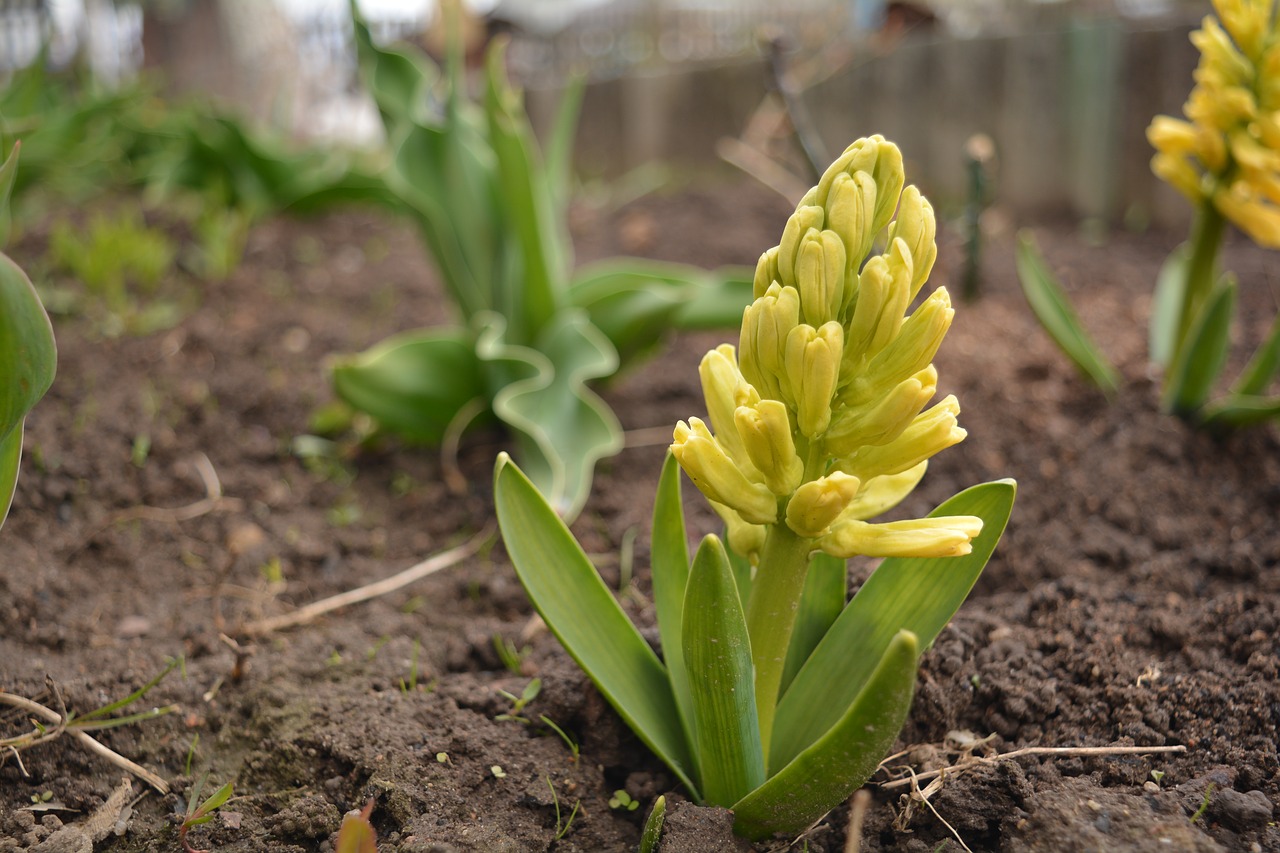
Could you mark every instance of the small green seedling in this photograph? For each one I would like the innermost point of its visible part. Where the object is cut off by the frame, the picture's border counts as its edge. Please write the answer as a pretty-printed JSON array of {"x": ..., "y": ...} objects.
[
  {"x": 777, "y": 698},
  {"x": 356, "y": 835},
  {"x": 511, "y": 657},
  {"x": 1204, "y": 803},
  {"x": 564, "y": 736},
  {"x": 202, "y": 814},
  {"x": 412, "y": 683},
  {"x": 622, "y": 801},
  {"x": 498, "y": 772},
  {"x": 562, "y": 824},
  {"x": 530, "y": 692},
  {"x": 652, "y": 833}
]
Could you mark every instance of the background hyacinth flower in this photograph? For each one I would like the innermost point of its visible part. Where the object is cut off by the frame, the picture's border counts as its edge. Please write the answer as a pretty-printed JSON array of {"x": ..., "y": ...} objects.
[{"x": 774, "y": 696}]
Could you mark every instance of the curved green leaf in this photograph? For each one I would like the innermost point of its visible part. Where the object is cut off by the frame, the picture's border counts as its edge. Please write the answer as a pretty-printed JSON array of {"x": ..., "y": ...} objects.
[
  {"x": 832, "y": 768},
  {"x": 397, "y": 79},
  {"x": 717, "y": 648},
  {"x": 8, "y": 174},
  {"x": 821, "y": 602},
  {"x": 1241, "y": 410},
  {"x": 562, "y": 428},
  {"x": 669, "y": 562},
  {"x": 916, "y": 594},
  {"x": 652, "y": 833},
  {"x": 28, "y": 361},
  {"x": 1166, "y": 305},
  {"x": 582, "y": 613},
  {"x": 413, "y": 383},
  {"x": 1262, "y": 368},
  {"x": 1198, "y": 365},
  {"x": 1051, "y": 307}
]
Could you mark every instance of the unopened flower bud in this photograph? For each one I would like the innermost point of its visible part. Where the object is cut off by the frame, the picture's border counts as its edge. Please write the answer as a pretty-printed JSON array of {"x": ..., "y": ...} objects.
[
  {"x": 884, "y": 291},
  {"x": 716, "y": 475},
  {"x": 931, "y": 432},
  {"x": 945, "y": 536},
  {"x": 765, "y": 431},
  {"x": 806, "y": 218},
  {"x": 881, "y": 494},
  {"x": 820, "y": 274},
  {"x": 744, "y": 538},
  {"x": 884, "y": 421},
  {"x": 910, "y": 352},
  {"x": 915, "y": 226},
  {"x": 812, "y": 362},
  {"x": 816, "y": 504},
  {"x": 724, "y": 390},
  {"x": 765, "y": 326},
  {"x": 851, "y": 208},
  {"x": 766, "y": 273}
]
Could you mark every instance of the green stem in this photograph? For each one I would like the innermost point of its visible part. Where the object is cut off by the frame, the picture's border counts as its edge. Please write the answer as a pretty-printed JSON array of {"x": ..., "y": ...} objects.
[
  {"x": 1206, "y": 237},
  {"x": 771, "y": 615}
]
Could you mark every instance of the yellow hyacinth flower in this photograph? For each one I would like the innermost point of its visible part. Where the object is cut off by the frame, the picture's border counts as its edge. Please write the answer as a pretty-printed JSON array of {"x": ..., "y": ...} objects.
[{"x": 1226, "y": 154}]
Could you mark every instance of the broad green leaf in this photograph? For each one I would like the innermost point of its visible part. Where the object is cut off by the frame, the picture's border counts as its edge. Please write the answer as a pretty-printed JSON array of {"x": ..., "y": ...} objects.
[
  {"x": 652, "y": 833},
  {"x": 916, "y": 594},
  {"x": 1241, "y": 410},
  {"x": 718, "y": 650},
  {"x": 1262, "y": 368},
  {"x": 8, "y": 174},
  {"x": 527, "y": 201},
  {"x": 717, "y": 300},
  {"x": 28, "y": 361},
  {"x": 1198, "y": 365},
  {"x": 1051, "y": 307},
  {"x": 820, "y": 603},
  {"x": 397, "y": 79},
  {"x": 669, "y": 561},
  {"x": 1166, "y": 305},
  {"x": 838, "y": 763},
  {"x": 568, "y": 593},
  {"x": 414, "y": 383},
  {"x": 562, "y": 428}
]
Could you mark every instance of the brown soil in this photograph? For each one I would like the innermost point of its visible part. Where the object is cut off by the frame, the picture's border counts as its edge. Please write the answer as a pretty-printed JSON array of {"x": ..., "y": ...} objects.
[{"x": 1134, "y": 600}]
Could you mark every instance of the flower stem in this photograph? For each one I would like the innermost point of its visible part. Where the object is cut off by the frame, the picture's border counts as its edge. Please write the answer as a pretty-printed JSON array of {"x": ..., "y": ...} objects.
[
  {"x": 771, "y": 616},
  {"x": 1206, "y": 237}
]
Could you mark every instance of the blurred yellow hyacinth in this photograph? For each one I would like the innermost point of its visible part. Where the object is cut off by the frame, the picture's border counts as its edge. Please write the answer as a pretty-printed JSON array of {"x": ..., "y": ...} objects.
[
  {"x": 819, "y": 414},
  {"x": 1227, "y": 152}
]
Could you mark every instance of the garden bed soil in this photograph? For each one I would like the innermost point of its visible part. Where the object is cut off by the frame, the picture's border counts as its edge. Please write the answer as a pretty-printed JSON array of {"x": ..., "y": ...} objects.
[{"x": 1135, "y": 599}]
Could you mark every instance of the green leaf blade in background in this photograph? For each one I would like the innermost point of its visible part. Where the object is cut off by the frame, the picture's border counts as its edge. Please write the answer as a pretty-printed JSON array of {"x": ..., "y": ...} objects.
[
  {"x": 821, "y": 602},
  {"x": 1262, "y": 367},
  {"x": 916, "y": 594},
  {"x": 669, "y": 568},
  {"x": 717, "y": 649},
  {"x": 582, "y": 613},
  {"x": 1166, "y": 305},
  {"x": 1237, "y": 411},
  {"x": 8, "y": 176},
  {"x": 28, "y": 362},
  {"x": 413, "y": 384},
  {"x": 828, "y": 771},
  {"x": 1201, "y": 360},
  {"x": 1050, "y": 305}
]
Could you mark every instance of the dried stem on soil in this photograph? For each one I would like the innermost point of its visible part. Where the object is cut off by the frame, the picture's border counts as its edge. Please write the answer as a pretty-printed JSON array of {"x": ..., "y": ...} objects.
[
  {"x": 858, "y": 807},
  {"x": 316, "y": 609}
]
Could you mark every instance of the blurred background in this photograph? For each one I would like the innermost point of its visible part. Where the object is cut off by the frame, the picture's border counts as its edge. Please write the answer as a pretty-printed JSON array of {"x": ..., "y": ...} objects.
[{"x": 1062, "y": 91}]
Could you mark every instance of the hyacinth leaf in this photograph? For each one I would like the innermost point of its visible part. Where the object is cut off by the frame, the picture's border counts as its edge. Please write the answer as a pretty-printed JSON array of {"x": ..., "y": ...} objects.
[
  {"x": 669, "y": 560},
  {"x": 1201, "y": 360},
  {"x": 917, "y": 594},
  {"x": 526, "y": 200},
  {"x": 1166, "y": 306},
  {"x": 820, "y": 604},
  {"x": 821, "y": 776},
  {"x": 398, "y": 79},
  {"x": 579, "y": 609},
  {"x": 415, "y": 383},
  {"x": 1261, "y": 369},
  {"x": 8, "y": 175},
  {"x": 28, "y": 361},
  {"x": 652, "y": 832},
  {"x": 1241, "y": 410},
  {"x": 558, "y": 159},
  {"x": 741, "y": 567},
  {"x": 635, "y": 302},
  {"x": 1049, "y": 303},
  {"x": 717, "y": 648},
  {"x": 562, "y": 428}
]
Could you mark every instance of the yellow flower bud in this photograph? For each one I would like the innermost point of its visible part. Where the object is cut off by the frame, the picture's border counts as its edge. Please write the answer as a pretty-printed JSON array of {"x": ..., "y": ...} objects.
[
  {"x": 806, "y": 218},
  {"x": 1179, "y": 174},
  {"x": 916, "y": 226},
  {"x": 851, "y": 208},
  {"x": 860, "y": 156},
  {"x": 744, "y": 538},
  {"x": 1246, "y": 22},
  {"x": 820, "y": 273},
  {"x": 887, "y": 419},
  {"x": 1218, "y": 52},
  {"x": 765, "y": 431},
  {"x": 724, "y": 390},
  {"x": 889, "y": 177},
  {"x": 717, "y": 477},
  {"x": 765, "y": 326},
  {"x": 812, "y": 363},
  {"x": 909, "y": 353},
  {"x": 946, "y": 536},
  {"x": 1173, "y": 136},
  {"x": 884, "y": 291},
  {"x": 766, "y": 273},
  {"x": 881, "y": 494},
  {"x": 816, "y": 504},
  {"x": 929, "y": 433},
  {"x": 1261, "y": 221}
]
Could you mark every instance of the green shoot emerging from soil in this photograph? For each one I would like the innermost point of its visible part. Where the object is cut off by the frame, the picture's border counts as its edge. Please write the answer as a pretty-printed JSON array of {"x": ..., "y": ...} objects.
[
  {"x": 203, "y": 813},
  {"x": 775, "y": 698}
]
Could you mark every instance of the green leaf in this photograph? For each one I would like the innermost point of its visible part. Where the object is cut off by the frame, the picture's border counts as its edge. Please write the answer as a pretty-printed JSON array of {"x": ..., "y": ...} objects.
[
  {"x": 559, "y": 154},
  {"x": 820, "y": 603},
  {"x": 1241, "y": 410},
  {"x": 652, "y": 833},
  {"x": 717, "y": 648},
  {"x": 915, "y": 594},
  {"x": 397, "y": 79},
  {"x": 827, "y": 772},
  {"x": 1050, "y": 305},
  {"x": 568, "y": 593},
  {"x": 669, "y": 561},
  {"x": 1198, "y": 365},
  {"x": 28, "y": 361},
  {"x": 8, "y": 174},
  {"x": 414, "y": 383},
  {"x": 717, "y": 300},
  {"x": 1166, "y": 305},
  {"x": 562, "y": 428},
  {"x": 1262, "y": 368}
]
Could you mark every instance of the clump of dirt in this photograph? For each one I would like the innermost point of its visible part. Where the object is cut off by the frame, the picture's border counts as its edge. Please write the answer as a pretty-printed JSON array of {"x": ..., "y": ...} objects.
[{"x": 1135, "y": 599}]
